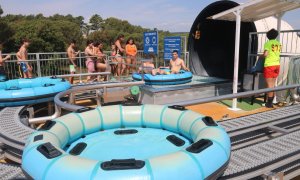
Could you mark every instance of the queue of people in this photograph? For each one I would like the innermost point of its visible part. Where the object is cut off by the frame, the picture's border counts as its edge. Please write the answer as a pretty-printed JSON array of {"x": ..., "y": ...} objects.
[{"x": 95, "y": 59}]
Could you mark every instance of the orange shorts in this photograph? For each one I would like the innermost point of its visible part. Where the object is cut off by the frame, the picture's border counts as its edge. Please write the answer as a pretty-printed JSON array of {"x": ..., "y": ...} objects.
[{"x": 271, "y": 71}]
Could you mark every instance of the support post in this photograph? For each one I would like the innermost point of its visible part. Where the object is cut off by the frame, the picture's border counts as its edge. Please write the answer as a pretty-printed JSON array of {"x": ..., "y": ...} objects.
[{"x": 236, "y": 57}]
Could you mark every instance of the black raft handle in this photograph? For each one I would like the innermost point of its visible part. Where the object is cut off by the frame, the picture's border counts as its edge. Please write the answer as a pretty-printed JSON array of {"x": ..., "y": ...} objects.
[
  {"x": 126, "y": 132},
  {"x": 13, "y": 88},
  {"x": 199, "y": 146},
  {"x": 178, "y": 107},
  {"x": 209, "y": 121},
  {"x": 84, "y": 109},
  {"x": 122, "y": 164},
  {"x": 48, "y": 84},
  {"x": 48, "y": 150},
  {"x": 77, "y": 150},
  {"x": 175, "y": 140}
]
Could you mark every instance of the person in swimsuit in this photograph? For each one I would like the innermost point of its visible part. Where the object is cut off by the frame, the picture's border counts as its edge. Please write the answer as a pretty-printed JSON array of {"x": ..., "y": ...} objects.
[
  {"x": 148, "y": 68},
  {"x": 22, "y": 55},
  {"x": 176, "y": 64},
  {"x": 72, "y": 58},
  {"x": 100, "y": 62},
  {"x": 131, "y": 52},
  {"x": 89, "y": 62},
  {"x": 2, "y": 60},
  {"x": 119, "y": 53}
]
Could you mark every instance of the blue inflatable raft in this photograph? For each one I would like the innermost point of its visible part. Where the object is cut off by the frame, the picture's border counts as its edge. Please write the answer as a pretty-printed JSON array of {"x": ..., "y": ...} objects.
[
  {"x": 128, "y": 142},
  {"x": 19, "y": 92},
  {"x": 171, "y": 79}
]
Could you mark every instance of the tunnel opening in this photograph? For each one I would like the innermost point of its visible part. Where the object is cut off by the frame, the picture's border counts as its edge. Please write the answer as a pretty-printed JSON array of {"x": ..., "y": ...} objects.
[{"x": 212, "y": 43}]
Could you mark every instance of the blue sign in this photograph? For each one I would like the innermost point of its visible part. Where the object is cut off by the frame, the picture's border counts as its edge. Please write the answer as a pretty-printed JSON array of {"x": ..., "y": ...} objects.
[
  {"x": 151, "y": 42},
  {"x": 171, "y": 44}
]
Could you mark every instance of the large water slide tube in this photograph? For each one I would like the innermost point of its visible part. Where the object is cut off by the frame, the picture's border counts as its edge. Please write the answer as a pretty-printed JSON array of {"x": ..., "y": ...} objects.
[{"x": 211, "y": 42}]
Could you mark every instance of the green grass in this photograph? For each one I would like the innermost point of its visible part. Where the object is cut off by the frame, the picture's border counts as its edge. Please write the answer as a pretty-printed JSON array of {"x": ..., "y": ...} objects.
[{"x": 245, "y": 104}]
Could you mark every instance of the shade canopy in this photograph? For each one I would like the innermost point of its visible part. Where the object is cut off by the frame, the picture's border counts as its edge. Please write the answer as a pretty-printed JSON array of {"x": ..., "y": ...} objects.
[{"x": 258, "y": 9}]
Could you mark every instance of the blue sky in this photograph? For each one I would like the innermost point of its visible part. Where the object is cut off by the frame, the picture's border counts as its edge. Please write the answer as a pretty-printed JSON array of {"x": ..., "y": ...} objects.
[{"x": 172, "y": 15}]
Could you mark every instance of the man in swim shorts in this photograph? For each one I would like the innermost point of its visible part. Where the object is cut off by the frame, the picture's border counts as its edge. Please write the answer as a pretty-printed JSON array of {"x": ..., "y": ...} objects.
[
  {"x": 271, "y": 54},
  {"x": 25, "y": 69},
  {"x": 72, "y": 59},
  {"x": 176, "y": 63}
]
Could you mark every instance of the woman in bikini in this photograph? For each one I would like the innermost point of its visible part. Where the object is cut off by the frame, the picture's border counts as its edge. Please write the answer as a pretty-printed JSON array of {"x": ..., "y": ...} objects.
[
  {"x": 100, "y": 62},
  {"x": 89, "y": 62},
  {"x": 131, "y": 52},
  {"x": 119, "y": 53}
]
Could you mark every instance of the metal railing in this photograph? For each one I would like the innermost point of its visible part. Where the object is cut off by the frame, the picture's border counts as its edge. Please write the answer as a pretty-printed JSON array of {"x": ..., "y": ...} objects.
[{"x": 57, "y": 63}]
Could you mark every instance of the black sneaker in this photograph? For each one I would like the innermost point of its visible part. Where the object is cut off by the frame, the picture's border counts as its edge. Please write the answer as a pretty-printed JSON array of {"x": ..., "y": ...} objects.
[{"x": 269, "y": 105}]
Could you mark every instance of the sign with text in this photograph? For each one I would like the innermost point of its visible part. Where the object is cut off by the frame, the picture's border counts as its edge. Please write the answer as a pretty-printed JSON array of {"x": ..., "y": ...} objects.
[
  {"x": 171, "y": 44},
  {"x": 151, "y": 42}
]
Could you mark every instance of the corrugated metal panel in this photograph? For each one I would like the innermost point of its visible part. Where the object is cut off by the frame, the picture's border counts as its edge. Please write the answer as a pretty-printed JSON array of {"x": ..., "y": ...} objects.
[{"x": 258, "y": 9}]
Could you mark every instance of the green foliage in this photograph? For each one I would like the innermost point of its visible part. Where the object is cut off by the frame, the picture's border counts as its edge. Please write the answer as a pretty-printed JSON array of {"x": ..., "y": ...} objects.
[
  {"x": 49, "y": 34},
  {"x": 5, "y": 32},
  {"x": 96, "y": 22},
  {"x": 1, "y": 11},
  {"x": 46, "y": 34}
]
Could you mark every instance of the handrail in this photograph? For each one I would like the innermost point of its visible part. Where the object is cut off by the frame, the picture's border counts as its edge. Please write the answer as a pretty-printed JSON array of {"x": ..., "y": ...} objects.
[
  {"x": 46, "y": 118},
  {"x": 71, "y": 107},
  {"x": 60, "y": 104},
  {"x": 232, "y": 96}
]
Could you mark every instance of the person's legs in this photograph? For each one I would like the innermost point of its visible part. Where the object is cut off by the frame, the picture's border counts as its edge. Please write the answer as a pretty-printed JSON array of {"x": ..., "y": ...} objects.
[
  {"x": 101, "y": 67},
  {"x": 119, "y": 66},
  {"x": 29, "y": 72},
  {"x": 90, "y": 68},
  {"x": 270, "y": 84},
  {"x": 133, "y": 62},
  {"x": 270, "y": 74},
  {"x": 128, "y": 63}
]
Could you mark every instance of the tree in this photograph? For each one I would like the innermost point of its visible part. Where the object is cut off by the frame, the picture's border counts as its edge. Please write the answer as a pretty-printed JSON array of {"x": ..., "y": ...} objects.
[
  {"x": 96, "y": 22},
  {"x": 6, "y": 32},
  {"x": 1, "y": 11}
]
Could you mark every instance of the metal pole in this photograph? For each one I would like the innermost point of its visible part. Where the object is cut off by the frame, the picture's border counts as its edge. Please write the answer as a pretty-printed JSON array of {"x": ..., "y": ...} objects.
[
  {"x": 236, "y": 57},
  {"x": 157, "y": 50},
  {"x": 80, "y": 68},
  {"x": 38, "y": 64}
]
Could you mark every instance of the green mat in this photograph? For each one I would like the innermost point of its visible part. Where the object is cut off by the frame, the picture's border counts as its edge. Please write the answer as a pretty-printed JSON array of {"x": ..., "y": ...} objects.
[{"x": 245, "y": 104}]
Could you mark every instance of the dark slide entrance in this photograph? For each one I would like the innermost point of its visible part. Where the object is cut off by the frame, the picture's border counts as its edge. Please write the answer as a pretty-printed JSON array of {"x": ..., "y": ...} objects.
[{"x": 212, "y": 53}]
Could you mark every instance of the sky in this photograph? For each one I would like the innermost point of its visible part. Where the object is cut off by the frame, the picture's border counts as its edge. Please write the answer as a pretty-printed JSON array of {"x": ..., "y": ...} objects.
[{"x": 171, "y": 15}]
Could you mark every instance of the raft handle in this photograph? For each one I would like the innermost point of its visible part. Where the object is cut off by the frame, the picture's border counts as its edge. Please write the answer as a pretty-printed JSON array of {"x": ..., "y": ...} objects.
[
  {"x": 48, "y": 84},
  {"x": 38, "y": 138},
  {"x": 53, "y": 77},
  {"x": 77, "y": 150},
  {"x": 48, "y": 150},
  {"x": 122, "y": 164},
  {"x": 209, "y": 121},
  {"x": 84, "y": 109},
  {"x": 178, "y": 107},
  {"x": 125, "y": 132},
  {"x": 175, "y": 140},
  {"x": 199, "y": 146},
  {"x": 48, "y": 125},
  {"x": 13, "y": 88}
]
